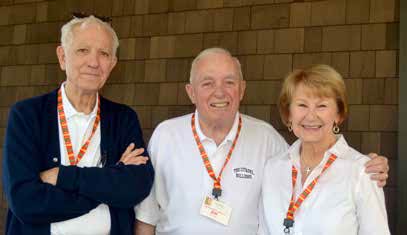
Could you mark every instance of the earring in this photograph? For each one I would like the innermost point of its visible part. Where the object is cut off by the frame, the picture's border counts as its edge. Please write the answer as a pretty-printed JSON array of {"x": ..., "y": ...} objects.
[
  {"x": 289, "y": 126},
  {"x": 335, "y": 128}
]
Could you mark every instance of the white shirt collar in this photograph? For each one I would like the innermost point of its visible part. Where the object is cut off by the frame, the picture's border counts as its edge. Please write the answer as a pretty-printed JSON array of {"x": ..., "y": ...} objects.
[
  {"x": 70, "y": 111},
  {"x": 229, "y": 137},
  {"x": 339, "y": 149}
]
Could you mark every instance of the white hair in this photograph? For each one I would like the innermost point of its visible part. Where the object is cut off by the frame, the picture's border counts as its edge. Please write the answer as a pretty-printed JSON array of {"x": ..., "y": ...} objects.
[
  {"x": 211, "y": 51},
  {"x": 67, "y": 31}
]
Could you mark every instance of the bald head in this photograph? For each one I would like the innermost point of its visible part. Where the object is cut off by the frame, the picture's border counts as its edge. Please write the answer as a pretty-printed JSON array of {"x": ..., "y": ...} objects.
[{"x": 210, "y": 52}]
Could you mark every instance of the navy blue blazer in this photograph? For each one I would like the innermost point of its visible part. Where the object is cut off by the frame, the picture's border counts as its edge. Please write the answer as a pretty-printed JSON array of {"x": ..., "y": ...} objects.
[{"x": 32, "y": 146}]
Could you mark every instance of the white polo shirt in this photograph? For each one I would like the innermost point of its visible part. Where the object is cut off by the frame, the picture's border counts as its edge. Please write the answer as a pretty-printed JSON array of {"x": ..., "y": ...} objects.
[
  {"x": 181, "y": 180},
  {"x": 344, "y": 201},
  {"x": 97, "y": 221}
]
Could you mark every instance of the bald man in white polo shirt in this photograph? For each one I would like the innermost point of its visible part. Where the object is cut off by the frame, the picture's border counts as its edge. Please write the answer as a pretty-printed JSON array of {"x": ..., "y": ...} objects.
[{"x": 209, "y": 164}]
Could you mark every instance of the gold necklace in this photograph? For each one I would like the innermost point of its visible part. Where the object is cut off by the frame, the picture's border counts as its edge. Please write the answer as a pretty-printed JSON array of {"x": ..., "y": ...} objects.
[
  {"x": 305, "y": 166},
  {"x": 308, "y": 169}
]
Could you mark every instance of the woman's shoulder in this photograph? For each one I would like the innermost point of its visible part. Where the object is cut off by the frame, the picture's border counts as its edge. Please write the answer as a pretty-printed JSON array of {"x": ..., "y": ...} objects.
[
  {"x": 349, "y": 154},
  {"x": 354, "y": 163},
  {"x": 357, "y": 157}
]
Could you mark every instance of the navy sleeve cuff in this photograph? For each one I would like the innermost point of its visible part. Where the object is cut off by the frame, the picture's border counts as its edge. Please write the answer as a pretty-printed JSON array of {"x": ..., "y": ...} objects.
[{"x": 68, "y": 178}]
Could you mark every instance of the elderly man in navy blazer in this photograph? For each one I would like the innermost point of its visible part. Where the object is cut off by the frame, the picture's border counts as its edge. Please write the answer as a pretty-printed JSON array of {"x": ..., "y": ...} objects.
[{"x": 73, "y": 161}]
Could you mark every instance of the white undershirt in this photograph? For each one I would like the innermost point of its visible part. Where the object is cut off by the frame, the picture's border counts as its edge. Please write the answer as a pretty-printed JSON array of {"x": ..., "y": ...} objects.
[{"x": 97, "y": 221}]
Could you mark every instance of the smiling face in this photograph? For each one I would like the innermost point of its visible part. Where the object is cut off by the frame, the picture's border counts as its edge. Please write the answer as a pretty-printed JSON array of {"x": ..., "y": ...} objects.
[
  {"x": 89, "y": 59},
  {"x": 312, "y": 117},
  {"x": 216, "y": 88}
]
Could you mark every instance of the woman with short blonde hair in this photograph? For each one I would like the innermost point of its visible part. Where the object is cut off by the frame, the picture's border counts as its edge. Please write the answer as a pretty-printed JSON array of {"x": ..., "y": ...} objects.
[{"x": 319, "y": 185}]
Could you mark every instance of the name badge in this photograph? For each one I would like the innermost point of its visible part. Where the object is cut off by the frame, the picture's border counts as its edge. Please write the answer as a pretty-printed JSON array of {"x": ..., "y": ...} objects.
[{"x": 216, "y": 210}]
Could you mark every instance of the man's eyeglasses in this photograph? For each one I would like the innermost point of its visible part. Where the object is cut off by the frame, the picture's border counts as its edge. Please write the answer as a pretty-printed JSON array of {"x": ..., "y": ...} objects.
[{"x": 81, "y": 15}]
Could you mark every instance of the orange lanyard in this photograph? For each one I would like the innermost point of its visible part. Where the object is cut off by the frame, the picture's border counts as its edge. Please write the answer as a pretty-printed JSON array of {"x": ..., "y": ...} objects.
[
  {"x": 294, "y": 205},
  {"x": 65, "y": 132},
  {"x": 217, "y": 190}
]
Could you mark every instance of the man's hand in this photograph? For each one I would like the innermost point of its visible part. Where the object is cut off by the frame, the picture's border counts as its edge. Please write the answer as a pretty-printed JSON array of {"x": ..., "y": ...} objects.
[
  {"x": 379, "y": 167},
  {"x": 50, "y": 176},
  {"x": 132, "y": 156},
  {"x": 142, "y": 228}
]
